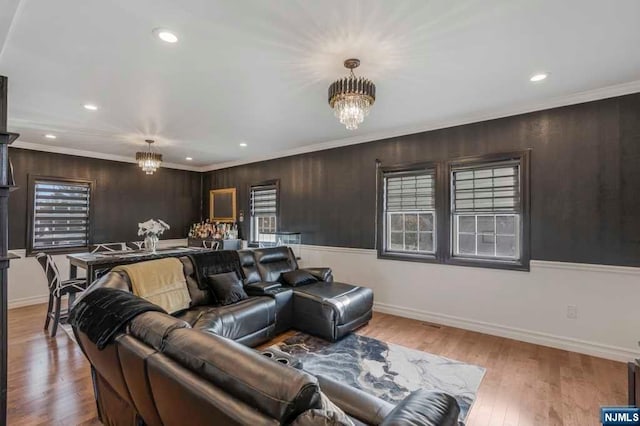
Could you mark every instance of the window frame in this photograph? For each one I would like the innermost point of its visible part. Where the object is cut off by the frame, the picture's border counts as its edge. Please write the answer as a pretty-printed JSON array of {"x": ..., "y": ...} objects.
[
  {"x": 275, "y": 183},
  {"x": 31, "y": 182},
  {"x": 521, "y": 264},
  {"x": 443, "y": 230},
  {"x": 381, "y": 216}
]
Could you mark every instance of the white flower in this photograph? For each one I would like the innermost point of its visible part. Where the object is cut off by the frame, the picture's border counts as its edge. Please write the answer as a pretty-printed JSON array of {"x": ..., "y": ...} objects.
[{"x": 152, "y": 227}]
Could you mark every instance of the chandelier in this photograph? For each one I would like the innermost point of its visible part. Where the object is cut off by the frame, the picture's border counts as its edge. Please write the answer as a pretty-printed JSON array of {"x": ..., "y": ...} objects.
[
  {"x": 149, "y": 161},
  {"x": 351, "y": 97}
]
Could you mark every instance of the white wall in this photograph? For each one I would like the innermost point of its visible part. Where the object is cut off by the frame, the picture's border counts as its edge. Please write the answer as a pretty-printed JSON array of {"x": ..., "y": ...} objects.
[
  {"x": 28, "y": 284},
  {"x": 529, "y": 306}
]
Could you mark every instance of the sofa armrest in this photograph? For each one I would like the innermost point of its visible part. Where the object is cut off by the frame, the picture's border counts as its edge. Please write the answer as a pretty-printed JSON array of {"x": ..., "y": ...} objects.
[
  {"x": 356, "y": 403},
  {"x": 261, "y": 288},
  {"x": 323, "y": 274},
  {"x": 423, "y": 407}
]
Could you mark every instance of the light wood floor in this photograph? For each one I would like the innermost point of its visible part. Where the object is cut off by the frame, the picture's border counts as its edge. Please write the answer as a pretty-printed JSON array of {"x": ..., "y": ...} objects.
[{"x": 525, "y": 384}]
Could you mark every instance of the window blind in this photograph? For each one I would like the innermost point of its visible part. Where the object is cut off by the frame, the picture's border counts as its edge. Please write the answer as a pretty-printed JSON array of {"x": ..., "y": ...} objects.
[
  {"x": 408, "y": 192},
  {"x": 487, "y": 188},
  {"x": 61, "y": 214},
  {"x": 264, "y": 201}
]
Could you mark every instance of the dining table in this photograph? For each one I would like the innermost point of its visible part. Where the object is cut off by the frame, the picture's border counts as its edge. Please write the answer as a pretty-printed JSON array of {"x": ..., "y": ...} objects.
[{"x": 97, "y": 264}]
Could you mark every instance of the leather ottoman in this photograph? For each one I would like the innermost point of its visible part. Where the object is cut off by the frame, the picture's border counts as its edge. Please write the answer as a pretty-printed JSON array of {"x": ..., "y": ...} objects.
[{"x": 331, "y": 310}]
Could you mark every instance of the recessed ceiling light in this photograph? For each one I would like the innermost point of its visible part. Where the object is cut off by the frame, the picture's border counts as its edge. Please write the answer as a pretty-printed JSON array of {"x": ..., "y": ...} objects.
[
  {"x": 244, "y": 145},
  {"x": 50, "y": 136},
  {"x": 188, "y": 158},
  {"x": 538, "y": 77},
  {"x": 91, "y": 107},
  {"x": 165, "y": 35}
]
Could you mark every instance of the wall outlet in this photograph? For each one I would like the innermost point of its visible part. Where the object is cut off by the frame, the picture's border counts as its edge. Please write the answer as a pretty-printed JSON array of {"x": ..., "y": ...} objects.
[{"x": 572, "y": 311}]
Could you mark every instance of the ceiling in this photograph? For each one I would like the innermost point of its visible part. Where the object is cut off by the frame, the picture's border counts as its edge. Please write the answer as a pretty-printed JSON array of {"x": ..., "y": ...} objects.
[{"x": 257, "y": 72}]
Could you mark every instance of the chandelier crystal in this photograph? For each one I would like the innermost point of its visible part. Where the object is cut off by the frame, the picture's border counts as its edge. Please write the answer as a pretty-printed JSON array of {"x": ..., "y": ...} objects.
[
  {"x": 148, "y": 161},
  {"x": 351, "y": 97}
]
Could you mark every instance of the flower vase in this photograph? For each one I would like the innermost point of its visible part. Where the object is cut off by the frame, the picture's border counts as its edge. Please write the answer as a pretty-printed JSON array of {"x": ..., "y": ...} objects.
[{"x": 151, "y": 243}]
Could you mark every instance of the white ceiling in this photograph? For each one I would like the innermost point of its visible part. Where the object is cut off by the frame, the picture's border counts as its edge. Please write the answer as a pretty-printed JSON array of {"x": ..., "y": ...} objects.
[{"x": 257, "y": 71}]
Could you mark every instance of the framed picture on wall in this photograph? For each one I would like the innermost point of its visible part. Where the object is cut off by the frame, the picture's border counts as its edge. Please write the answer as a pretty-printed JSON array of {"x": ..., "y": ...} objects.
[{"x": 222, "y": 205}]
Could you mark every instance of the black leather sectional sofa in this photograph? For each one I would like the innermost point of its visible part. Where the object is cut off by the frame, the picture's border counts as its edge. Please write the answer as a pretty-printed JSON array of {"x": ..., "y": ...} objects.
[
  {"x": 196, "y": 367},
  {"x": 325, "y": 309}
]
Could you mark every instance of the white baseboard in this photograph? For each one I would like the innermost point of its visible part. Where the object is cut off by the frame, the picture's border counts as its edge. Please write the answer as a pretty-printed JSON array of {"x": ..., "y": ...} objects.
[
  {"x": 573, "y": 284},
  {"x": 544, "y": 339},
  {"x": 28, "y": 301},
  {"x": 28, "y": 284}
]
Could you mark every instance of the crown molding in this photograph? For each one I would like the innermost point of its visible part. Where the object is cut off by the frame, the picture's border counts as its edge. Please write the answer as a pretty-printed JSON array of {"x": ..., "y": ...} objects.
[
  {"x": 98, "y": 155},
  {"x": 556, "y": 102}
]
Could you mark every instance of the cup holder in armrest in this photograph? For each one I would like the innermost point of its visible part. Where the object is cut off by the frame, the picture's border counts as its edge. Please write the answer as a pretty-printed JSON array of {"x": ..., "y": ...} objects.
[{"x": 282, "y": 358}]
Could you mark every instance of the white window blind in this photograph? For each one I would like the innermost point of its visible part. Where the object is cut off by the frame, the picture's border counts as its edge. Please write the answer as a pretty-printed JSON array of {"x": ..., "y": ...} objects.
[{"x": 60, "y": 214}]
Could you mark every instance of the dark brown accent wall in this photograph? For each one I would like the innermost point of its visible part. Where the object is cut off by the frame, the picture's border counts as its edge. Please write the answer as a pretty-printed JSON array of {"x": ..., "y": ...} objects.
[
  {"x": 585, "y": 180},
  {"x": 123, "y": 195}
]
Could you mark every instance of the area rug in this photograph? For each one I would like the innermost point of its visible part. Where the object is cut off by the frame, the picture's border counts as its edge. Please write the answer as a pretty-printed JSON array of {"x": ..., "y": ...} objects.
[{"x": 388, "y": 371}]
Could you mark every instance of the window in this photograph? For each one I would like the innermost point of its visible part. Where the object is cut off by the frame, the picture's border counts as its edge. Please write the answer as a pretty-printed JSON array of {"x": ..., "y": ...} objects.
[
  {"x": 484, "y": 235},
  {"x": 487, "y": 210},
  {"x": 409, "y": 212},
  {"x": 264, "y": 212},
  {"x": 469, "y": 211},
  {"x": 60, "y": 214}
]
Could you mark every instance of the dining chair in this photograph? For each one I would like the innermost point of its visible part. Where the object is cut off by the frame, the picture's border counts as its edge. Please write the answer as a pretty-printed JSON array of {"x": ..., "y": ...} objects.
[
  {"x": 101, "y": 248},
  {"x": 213, "y": 244},
  {"x": 57, "y": 289},
  {"x": 134, "y": 245}
]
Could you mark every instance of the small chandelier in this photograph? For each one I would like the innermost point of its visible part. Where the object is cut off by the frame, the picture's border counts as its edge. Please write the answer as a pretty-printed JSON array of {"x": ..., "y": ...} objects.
[
  {"x": 351, "y": 97},
  {"x": 149, "y": 161}
]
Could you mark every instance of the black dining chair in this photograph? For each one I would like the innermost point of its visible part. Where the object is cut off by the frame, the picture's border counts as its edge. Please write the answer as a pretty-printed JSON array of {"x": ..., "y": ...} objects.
[{"x": 57, "y": 289}]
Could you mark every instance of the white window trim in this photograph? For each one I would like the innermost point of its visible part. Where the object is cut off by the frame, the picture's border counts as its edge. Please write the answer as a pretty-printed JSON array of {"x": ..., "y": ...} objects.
[
  {"x": 255, "y": 231},
  {"x": 388, "y": 232},
  {"x": 456, "y": 236}
]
